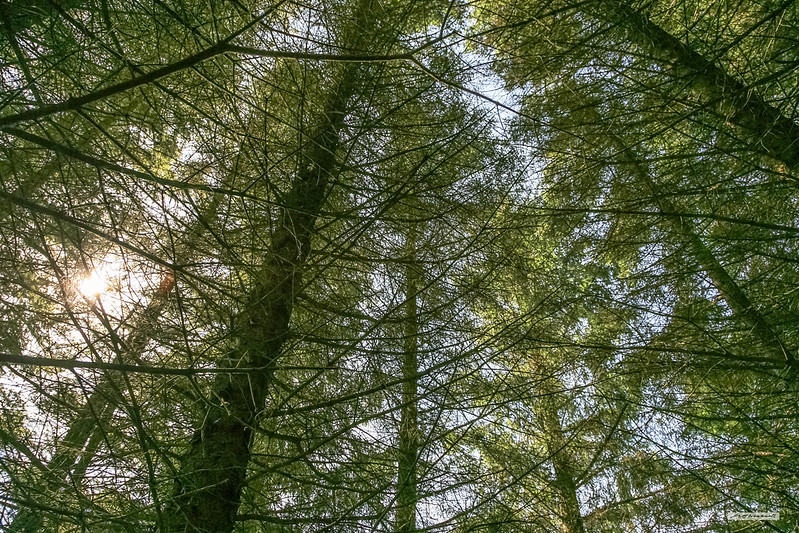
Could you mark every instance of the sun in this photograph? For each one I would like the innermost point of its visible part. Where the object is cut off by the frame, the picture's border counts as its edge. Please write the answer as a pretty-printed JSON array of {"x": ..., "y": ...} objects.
[{"x": 94, "y": 285}]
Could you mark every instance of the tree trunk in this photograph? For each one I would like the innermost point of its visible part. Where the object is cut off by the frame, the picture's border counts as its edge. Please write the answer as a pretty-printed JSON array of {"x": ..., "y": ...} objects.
[
  {"x": 407, "y": 493},
  {"x": 92, "y": 419},
  {"x": 75, "y": 452},
  {"x": 212, "y": 472},
  {"x": 565, "y": 483},
  {"x": 728, "y": 287},
  {"x": 731, "y": 99},
  {"x": 558, "y": 448}
]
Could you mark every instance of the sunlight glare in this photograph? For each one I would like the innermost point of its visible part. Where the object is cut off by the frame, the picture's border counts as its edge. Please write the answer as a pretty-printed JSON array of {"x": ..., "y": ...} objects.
[{"x": 94, "y": 285}]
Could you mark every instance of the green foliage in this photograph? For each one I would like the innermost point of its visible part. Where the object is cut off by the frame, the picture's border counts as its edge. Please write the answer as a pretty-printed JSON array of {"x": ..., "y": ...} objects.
[{"x": 576, "y": 220}]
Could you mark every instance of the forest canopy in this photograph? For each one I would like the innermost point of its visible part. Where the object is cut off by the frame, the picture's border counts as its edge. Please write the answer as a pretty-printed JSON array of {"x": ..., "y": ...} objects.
[{"x": 399, "y": 265}]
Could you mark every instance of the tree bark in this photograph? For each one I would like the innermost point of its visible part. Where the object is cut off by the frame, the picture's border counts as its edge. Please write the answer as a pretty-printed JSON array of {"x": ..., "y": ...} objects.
[
  {"x": 562, "y": 462},
  {"x": 75, "y": 452},
  {"x": 212, "y": 473},
  {"x": 84, "y": 433},
  {"x": 727, "y": 286},
  {"x": 731, "y": 99},
  {"x": 557, "y": 445},
  {"x": 407, "y": 490}
]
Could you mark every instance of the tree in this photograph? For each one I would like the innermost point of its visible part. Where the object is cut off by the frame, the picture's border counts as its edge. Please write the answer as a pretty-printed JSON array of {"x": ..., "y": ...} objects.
[{"x": 505, "y": 266}]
